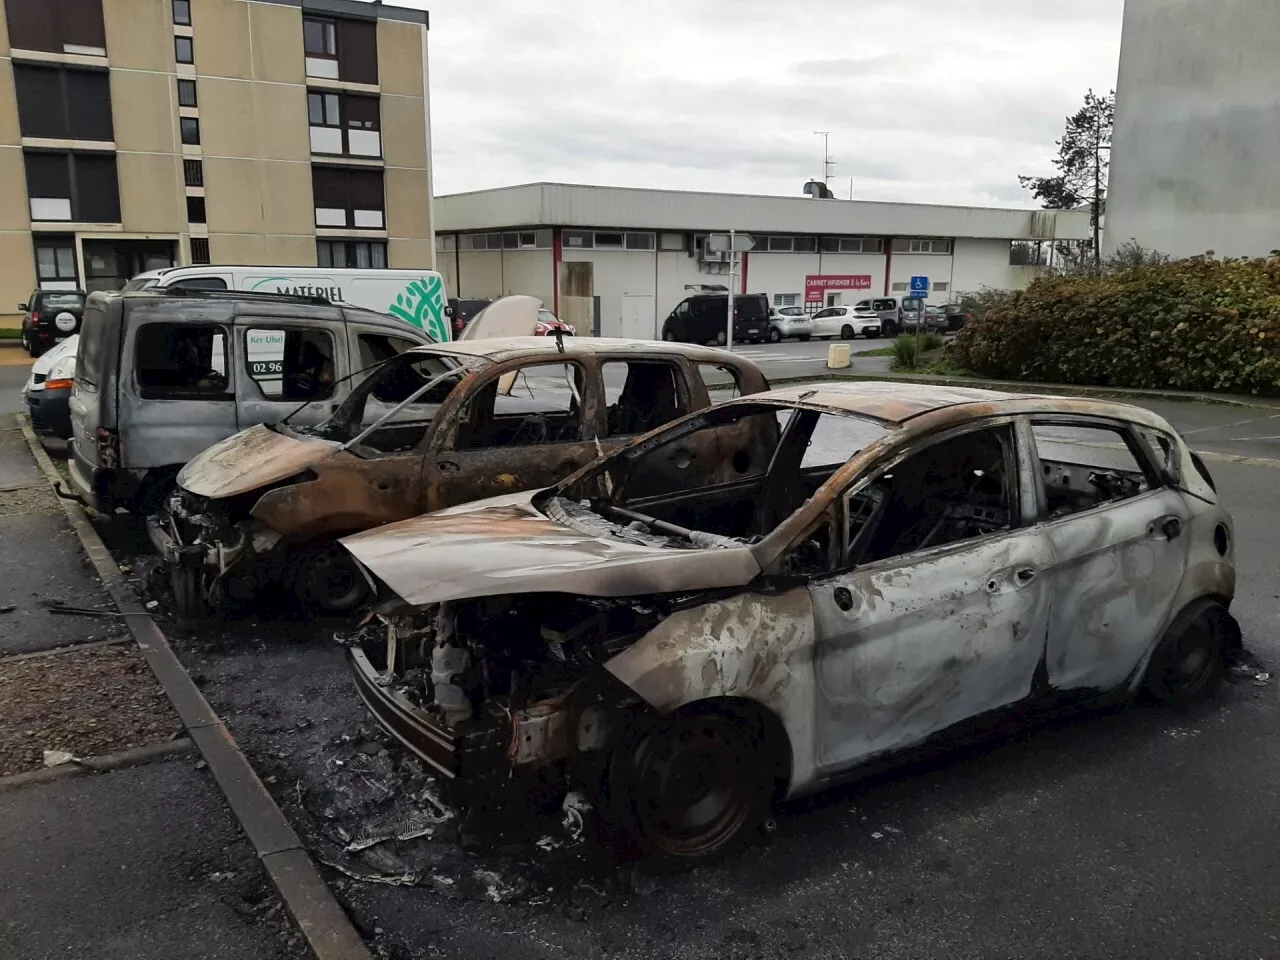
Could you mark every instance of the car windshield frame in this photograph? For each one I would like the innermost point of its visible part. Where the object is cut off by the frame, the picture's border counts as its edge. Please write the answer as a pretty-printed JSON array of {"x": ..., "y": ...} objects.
[{"x": 610, "y": 473}]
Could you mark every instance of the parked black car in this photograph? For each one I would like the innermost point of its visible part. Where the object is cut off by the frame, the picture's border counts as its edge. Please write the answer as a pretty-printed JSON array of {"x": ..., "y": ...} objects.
[
  {"x": 702, "y": 319},
  {"x": 957, "y": 316},
  {"x": 461, "y": 311},
  {"x": 50, "y": 316}
]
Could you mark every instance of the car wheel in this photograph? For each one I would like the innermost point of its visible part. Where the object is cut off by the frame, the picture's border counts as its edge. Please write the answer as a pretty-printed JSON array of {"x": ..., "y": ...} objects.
[
  {"x": 326, "y": 580},
  {"x": 873, "y": 334},
  {"x": 669, "y": 335},
  {"x": 846, "y": 332},
  {"x": 189, "y": 600},
  {"x": 1191, "y": 657},
  {"x": 774, "y": 335},
  {"x": 721, "y": 339},
  {"x": 691, "y": 785},
  {"x": 804, "y": 338}
]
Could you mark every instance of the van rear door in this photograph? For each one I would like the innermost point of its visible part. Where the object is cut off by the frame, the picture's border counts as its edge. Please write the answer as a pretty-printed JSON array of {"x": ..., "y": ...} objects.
[{"x": 93, "y": 399}]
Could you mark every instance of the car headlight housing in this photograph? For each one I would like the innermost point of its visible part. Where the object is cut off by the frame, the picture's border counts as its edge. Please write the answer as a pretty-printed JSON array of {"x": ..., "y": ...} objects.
[{"x": 62, "y": 374}]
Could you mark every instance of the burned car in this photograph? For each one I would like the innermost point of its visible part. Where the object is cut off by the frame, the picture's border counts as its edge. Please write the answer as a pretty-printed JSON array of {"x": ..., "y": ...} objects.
[
  {"x": 857, "y": 569},
  {"x": 431, "y": 427}
]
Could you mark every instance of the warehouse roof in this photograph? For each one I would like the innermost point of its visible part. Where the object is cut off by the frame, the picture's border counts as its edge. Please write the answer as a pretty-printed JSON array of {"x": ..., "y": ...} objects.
[{"x": 579, "y": 205}]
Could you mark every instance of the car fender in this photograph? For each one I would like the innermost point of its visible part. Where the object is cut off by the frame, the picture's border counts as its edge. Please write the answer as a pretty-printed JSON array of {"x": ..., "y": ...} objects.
[{"x": 751, "y": 646}]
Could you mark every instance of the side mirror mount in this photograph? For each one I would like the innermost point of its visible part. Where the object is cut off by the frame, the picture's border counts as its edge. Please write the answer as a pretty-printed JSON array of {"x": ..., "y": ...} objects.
[
  {"x": 448, "y": 311},
  {"x": 24, "y": 307}
]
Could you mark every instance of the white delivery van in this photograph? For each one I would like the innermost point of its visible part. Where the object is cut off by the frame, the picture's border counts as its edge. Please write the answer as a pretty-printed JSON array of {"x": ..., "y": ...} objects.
[{"x": 414, "y": 296}]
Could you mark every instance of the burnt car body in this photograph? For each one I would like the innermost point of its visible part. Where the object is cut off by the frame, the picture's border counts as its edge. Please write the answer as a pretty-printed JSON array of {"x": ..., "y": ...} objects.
[
  {"x": 863, "y": 568},
  {"x": 432, "y": 427}
]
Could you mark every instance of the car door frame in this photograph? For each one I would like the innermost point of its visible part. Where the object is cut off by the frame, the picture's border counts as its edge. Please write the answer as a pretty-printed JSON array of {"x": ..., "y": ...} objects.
[
  {"x": 445, "y": 469},
  {"x": 1029, "y": 613},
  {"x": 1163, "y": 501},
  {"x": 252, "y": 402}
]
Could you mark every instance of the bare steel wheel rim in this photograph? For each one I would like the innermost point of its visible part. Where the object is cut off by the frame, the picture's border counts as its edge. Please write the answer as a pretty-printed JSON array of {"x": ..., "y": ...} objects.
[{"x": 697, "y": 785}]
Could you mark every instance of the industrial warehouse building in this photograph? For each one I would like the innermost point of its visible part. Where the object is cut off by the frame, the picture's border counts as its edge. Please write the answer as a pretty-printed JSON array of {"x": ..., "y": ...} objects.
[{"x": 615, "y": 261}]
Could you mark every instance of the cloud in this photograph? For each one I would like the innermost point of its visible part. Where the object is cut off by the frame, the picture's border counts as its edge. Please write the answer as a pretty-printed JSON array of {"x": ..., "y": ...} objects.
[{"x": 925, "y": 100}]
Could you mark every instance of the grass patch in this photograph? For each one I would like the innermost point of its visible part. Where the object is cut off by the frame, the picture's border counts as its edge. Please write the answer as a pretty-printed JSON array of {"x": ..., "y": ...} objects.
[
  {"x": 877, "y": 352},
  {"x": 10, "y": 333},
  {"x": 927, "y": 354}
]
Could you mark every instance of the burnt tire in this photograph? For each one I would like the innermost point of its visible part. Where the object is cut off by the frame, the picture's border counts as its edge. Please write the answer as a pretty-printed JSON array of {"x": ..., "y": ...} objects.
[
  {"x": 1192, "y": 655},
  {"x": 691, "y": 785},
  {"x": 190, "y": 602},
  {"x": 325, "y": 579}
]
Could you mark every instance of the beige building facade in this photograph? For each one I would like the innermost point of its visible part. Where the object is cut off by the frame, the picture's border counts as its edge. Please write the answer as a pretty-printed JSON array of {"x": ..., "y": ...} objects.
[{"x": 136, "y": 134}]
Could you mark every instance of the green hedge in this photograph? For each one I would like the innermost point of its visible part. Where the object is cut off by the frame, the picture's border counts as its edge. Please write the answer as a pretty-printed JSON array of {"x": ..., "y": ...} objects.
[{"x": 1198, "y": 324}]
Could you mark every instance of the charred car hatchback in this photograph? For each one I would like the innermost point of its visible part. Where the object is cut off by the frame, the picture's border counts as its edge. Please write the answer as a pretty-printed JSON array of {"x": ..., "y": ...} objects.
[
  {"x": 857, "y": 570},
  {"x": 430, "y": 428}
]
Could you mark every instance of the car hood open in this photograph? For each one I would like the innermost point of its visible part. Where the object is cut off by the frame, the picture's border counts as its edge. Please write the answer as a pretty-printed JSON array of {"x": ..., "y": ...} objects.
[
  {"x": 513, "y": 316},
  {"x": 251, "y": 459},
  {"x": 504, "y": 545}
]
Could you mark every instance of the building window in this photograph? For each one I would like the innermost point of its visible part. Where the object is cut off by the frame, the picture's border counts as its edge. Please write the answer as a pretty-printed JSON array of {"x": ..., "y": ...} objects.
[
  {"x": 200, "y": 250},
  {"x": 604, "y": 240},
  {"x": 55, "y": 260},
  {"x": 187, "y": 93},
  {"x": 523, "y": 240},
  {"x": 785, "y": 244},
  {"x": 786, "y": 299},
  {"x": 193, "y": 173},
  {"x": 942, "y": 286},
  {"x": 195, "y": 210},
  {"x": 609, "y": 241},
  {"x": 76, "y": 187},
  {"x": 358, "y": 136},
  {"x": 361, "y": 254},
  {"x": 640, "y": 241},
  {"x": 346, "y": 197},
  {"x": 673, "y": 242},
  {"x": 57, "y": 26},
  {"x": 914, "y": 245},
  {"x": 482, "y": 241},
  {"x": 190, "y": 127},
  {"x": 578, "y": 239},
  {"x": 341, "y": 49},
  {"x": 184, "y": 50},
  {"x": 900, "y": 287},
  {"x": 182, "y": 12},
  {"x": 63, "y": 103},
  {"x": 852, "y": 245},
  {"x": 445, "y": 242}
]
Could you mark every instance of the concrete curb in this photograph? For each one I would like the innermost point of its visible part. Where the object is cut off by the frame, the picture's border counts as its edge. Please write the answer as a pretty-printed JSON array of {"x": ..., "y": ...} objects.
[
  {"x": 121, "y": 760},
  {"x": 325, "y": 925},
  {"x": 1056, "y": 389}
]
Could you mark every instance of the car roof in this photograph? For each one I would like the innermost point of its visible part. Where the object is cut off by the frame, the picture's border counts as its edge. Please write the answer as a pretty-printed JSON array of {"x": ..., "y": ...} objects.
[
  {"x": 499, "y": 349},
  {"x": 897, "y": 403},
  {"x": 206, "y": 303}
]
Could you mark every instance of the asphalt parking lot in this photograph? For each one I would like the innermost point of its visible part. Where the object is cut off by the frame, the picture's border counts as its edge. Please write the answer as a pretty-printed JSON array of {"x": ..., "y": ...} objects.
[{"x": 1136, "y": 832}]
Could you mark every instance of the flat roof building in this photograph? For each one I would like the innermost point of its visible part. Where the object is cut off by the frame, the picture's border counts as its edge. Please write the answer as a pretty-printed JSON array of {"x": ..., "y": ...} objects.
[
  {"x": 615, "y": 261},
  {"x": 137, "y": 134}
]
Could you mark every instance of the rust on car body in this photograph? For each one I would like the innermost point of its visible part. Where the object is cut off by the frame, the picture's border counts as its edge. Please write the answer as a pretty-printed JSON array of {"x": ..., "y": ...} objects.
[{"x": 458, "y": 427}]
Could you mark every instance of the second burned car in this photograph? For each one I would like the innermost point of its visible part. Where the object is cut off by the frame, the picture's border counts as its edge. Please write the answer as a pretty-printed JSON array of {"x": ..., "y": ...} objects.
[{"x": 433, "y": 427}]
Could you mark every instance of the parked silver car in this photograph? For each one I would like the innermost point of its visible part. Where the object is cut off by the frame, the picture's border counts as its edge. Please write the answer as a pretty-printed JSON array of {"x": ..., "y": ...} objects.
[
  {"x": 786, "y": 323},
  {"x": 865, "y": 568}
]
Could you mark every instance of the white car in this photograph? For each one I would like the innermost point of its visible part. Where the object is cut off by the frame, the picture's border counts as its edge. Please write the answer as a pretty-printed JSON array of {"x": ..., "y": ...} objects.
[
  {"x": 786, "y": 322},
  {"x": 846, "y": 323}
]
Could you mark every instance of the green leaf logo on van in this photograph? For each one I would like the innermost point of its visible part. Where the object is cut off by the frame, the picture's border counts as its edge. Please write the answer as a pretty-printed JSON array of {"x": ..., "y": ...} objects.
[{"x": 421, "y": 304}]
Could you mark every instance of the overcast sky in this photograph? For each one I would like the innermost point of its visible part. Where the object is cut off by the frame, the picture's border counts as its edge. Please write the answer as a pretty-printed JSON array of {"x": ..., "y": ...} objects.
[{"x": 929, "y": 101}]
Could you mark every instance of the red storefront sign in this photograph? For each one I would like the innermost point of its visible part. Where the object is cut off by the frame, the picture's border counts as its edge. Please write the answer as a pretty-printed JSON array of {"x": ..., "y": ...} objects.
[{"x": 817, "y": 284}]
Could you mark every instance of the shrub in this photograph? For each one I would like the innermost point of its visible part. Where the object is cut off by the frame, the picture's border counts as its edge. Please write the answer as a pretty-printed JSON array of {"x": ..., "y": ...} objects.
[
  {"x": 1198, "y": 324},
  {"x": 904, "y": 353}
]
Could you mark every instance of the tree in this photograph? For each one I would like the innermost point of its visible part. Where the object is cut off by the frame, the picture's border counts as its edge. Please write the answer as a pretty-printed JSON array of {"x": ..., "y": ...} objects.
[{"x": 1083, "y": 161}]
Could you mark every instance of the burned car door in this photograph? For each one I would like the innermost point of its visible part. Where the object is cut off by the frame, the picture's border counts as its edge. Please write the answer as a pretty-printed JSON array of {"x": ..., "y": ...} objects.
[
  {"x": 516, "y": 429},
  {"x": 286, "y": 365},
  {"x": 1120, "y": 538},
  {"x": 937, "y": 608}
]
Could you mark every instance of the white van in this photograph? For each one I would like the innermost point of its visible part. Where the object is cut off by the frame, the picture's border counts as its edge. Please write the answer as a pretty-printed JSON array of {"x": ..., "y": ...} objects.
[{"x": 415, "y": 296}]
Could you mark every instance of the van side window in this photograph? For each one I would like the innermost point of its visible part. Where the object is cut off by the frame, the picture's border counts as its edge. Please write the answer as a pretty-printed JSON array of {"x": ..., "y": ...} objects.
[
  {"x": 376, "y": 347},
  {"x": 291, "y": 364},
  {"x": 200, "y": 283},
  {"x": 181, "y": 361},
  {"x": 641, "y": 395}
]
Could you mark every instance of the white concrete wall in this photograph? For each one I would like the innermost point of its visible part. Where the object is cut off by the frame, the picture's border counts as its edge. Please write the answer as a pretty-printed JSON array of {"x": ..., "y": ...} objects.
[
  {"x": 479, "y": 274},
  {"x": 617, "y": 273},
  {"x": 985, "y": 263},
  {"x": 529, "y": 272},
  {"x": 1197, "y": 128}
]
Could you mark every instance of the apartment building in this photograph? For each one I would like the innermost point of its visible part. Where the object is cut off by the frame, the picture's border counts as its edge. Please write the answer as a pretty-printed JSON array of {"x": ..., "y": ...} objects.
[{"x": 136, "y": 134}]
